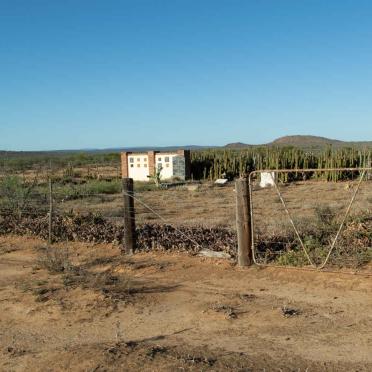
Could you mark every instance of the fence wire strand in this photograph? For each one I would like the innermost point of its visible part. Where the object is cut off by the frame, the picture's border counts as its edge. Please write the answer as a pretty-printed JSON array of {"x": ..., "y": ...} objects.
[{"x": 265, "y": 246}]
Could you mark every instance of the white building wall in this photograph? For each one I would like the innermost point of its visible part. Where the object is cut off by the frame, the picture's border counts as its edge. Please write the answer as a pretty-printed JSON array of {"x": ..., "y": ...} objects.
[
  {"x": 138, "y": 167},
  {"x": 166, "y": 162}
]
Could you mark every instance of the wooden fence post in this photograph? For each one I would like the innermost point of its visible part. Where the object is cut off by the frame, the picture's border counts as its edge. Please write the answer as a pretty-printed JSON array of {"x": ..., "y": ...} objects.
[
  {"x": 129, "y": 243},
  {"x": 50, "y": 216},
  {"x": 243, "y": 222}
]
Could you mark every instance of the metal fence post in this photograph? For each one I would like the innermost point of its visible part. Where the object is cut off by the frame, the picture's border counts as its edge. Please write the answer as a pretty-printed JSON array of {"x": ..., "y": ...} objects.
[
  {"x": 243, "y": 222},
  {"x": 129, "y": 243}
]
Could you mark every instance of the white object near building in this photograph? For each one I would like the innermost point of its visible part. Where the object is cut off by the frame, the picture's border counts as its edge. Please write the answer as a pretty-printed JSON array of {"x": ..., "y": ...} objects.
[
  {"x": 221, "y": 181},
  {"x": 267, "y": 179}
]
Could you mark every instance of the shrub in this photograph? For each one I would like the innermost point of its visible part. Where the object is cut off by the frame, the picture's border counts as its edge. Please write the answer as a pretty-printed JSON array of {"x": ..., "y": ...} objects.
[
  {"x": 292, "y": 258},
  {"x": 325, "y": 215},
  {"x": 92, "y": 187},
  {"x": 56, "y": 260},
  {"x": 18, "y": 197},
  {"x": 102, "y": 187}
]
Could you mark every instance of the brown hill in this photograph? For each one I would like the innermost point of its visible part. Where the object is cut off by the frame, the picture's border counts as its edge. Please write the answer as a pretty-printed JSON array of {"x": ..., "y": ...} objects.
[
  {"x": 236, "y": 145},
  {"x": 316, "y": 142},
  {"x": 301, "y": 140},
  {"x": 306, "y": 142}
]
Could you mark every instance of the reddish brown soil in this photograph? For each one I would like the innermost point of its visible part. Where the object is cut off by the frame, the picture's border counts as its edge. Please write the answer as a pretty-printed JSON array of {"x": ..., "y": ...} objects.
[{"x": 177, "y": 313}]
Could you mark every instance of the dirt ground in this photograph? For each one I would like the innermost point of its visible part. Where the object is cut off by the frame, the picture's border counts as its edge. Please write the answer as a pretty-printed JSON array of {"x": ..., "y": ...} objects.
[{"x": 168, "y": 312}]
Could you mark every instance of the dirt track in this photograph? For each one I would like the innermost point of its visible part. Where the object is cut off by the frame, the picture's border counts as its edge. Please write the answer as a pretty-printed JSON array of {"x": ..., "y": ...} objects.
[{"x": 181, "y": 313}]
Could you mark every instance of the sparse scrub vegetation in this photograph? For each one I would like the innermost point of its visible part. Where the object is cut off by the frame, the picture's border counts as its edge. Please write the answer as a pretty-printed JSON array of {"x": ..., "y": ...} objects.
[
  {"x": 89, "y": 208},
  {"x": 89, "y": 188},
  {"x": 353, "y": 249},
  {"x": 56, "y": 260},
  {"x": 18, "y": 196}
]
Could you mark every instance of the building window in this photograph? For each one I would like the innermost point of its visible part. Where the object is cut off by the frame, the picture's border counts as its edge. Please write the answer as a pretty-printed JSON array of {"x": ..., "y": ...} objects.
[
  {"x": 159, "y": 166},
  {"x": 138, "y": 159},
  {"x": 167, "y": 165},
  {"x": 159, "y": 159},
  {"x": 138, "y": 165},
  {"x": 145, "y": 160},
  {"x": 145, "y": 165},
  {"x": 131, "y": 160},
  {"x": 166, "y": 159},
  {"x": 131, "y": 165}
]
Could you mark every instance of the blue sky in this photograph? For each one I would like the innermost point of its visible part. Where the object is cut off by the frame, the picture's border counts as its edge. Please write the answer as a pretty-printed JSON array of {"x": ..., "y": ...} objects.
[{"x": 98, "y": 74}]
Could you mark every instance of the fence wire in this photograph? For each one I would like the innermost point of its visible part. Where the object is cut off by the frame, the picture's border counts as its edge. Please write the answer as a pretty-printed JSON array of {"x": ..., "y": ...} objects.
[
  {"x": 295, "y": 220},
  {"x": 186, "y": 216},
  {"x": 315, "y": 218}
]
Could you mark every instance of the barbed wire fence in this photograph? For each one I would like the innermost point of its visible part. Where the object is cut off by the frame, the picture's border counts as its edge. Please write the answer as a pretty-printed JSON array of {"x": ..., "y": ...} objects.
[
  {"x": 178, "y": 218},
  {"x": 318, "y": 218},
  {"x": 300, "y": 220}
]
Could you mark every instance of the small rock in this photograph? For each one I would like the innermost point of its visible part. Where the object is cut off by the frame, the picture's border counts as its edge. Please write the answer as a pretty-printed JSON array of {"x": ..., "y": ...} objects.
[{"x": 288, "y": 312}]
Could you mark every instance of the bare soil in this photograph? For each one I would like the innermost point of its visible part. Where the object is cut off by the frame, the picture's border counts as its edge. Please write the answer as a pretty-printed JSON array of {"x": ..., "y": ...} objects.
[{"x": 167, "y": 312}]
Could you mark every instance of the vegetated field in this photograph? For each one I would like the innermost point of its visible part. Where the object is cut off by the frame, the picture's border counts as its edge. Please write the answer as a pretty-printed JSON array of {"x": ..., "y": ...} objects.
[
  {"x": 207, "y": 205},
  {"x": 317, "y": 208},
  {"x": 85, "y": 307},
  {"x": 205, "y": 164}
]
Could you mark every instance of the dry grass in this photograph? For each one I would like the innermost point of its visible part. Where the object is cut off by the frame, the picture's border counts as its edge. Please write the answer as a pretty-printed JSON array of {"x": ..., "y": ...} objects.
[
  {"x": 208, "y": 206},
  {"x": 55, "y": 260},
  {"x": 215, "y": 206}
]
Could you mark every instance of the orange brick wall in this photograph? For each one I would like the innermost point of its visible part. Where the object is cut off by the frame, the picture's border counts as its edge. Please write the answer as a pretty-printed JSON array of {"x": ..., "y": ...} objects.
[
  {"x": 151, "y": 162},
  {"x": 124, "y": 164}
]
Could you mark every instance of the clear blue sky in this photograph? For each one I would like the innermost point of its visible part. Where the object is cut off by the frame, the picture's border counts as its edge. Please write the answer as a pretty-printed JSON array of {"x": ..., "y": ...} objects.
[{"x": 97, "y": 74}]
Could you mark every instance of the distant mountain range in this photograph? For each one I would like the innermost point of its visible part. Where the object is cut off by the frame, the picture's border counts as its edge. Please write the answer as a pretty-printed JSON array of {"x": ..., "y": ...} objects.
[
  {"x": 300, "y": 141},
  {"x": 155, "y": 148},
  {"x": 306, "y": 142},
  {"x": 103, "y": 151}
]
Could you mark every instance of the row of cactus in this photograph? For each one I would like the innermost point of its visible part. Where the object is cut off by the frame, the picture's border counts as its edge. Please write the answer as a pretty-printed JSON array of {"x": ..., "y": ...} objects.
[{"x": 216, "y": 163}]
